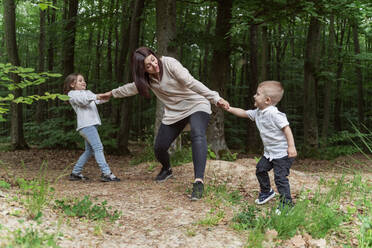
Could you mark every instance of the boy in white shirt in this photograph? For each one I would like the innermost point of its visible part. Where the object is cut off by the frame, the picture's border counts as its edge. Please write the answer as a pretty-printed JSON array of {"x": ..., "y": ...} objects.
[{"x": 277, "y": 138}]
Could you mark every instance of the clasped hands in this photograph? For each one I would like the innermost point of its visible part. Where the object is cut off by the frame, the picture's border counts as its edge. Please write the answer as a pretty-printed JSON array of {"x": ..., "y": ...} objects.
[
  {"x": 222, "y": 103},
  {"x": 104, "y": 96}
]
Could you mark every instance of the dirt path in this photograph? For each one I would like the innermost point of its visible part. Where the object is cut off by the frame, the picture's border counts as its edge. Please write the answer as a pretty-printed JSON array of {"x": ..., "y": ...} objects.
[{"x": 153, "y": 214}]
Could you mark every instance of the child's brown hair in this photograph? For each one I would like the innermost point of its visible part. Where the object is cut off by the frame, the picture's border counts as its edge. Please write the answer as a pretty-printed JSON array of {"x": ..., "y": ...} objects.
[{"x": 69, "y": 80}]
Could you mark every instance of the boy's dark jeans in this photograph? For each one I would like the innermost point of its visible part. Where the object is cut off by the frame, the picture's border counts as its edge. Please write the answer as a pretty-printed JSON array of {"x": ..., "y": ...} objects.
[{"x": 281, "y": 168}]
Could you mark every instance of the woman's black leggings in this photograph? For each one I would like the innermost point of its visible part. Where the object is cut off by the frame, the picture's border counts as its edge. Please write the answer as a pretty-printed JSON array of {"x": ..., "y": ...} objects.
[{"x": 168, "y": 133}]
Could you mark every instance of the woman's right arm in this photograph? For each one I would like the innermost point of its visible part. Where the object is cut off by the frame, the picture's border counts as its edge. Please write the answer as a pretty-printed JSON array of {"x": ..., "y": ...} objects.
[{"x": 125, "y": 90}]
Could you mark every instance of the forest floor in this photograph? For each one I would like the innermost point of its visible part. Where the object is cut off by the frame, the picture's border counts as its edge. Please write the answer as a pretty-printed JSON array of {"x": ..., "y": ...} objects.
[{"x": 152, "y": 214}]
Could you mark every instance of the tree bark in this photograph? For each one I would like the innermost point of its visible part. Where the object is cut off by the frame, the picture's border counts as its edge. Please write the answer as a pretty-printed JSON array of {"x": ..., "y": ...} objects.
[
  {"x": 310, "y": 80},
  {"x": 219, "y": 75},
  {"x": 340, "y": 64},
  {"x": 123, "y": 135},
  {"x": 328, "y": 82},
  {"x": 253, "y": 140},
  {"x": 165, "y": 34},
  {"x": 69, "y": 37},
  {"x": 41, "y": 104},
  {"x": 358, "y": 72},
  {"x": 264, "y": 55},
  {"x": 51, "y": 49},
  {"x": 16, "y": 110}
]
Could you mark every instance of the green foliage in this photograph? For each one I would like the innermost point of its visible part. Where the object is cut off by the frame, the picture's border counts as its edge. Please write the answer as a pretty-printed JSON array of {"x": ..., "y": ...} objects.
[
  {"x": 86, "y": 208},
  {"x": 27, "y": 78},
  {"x": 178, "y": 157},
  {"x": 344, "y": 143},
  {"x": 31, "y": 238},
  {"x": 4, "y": 185},
  {"x": 38, "y": 193},
  {"x": 247, "y": 218},
  {"x": 365, "y": 234},
  {"x": 322, "y": 219},
  {"x": 218, "y": 193},
  {"x": 213, "y": 218},
  {"x": 52, "y": 134}
]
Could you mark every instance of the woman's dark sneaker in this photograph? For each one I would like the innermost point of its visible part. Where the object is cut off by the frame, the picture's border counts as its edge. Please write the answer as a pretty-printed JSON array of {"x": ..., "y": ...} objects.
[
  {"x": 109, "y": 178},
  {"x": 197, "y": 191},
  {"x": 164, "y": 175},
  {"x": 77, "y": 177}
]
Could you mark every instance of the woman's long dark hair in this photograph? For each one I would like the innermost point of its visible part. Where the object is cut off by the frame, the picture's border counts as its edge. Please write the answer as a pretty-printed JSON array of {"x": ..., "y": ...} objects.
[{"x": 140, "y": 76}]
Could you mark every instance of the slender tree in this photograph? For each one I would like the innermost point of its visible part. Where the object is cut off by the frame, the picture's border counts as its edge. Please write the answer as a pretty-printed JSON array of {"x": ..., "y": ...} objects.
[
  {"x": 69, "y": 36},
  {"x": 310, "y": 69},
  {"x": 219, "y": 74},
  {"x": 16, "y": 130},
  {"x": 358, "y": 71},
  {"x": 123, "y": 134},
  {"x": 166, "y": 35},
  {"x": 41, "y": 104}
]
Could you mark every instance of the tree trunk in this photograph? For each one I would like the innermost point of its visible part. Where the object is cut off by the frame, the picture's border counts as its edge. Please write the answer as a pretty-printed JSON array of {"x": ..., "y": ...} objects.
[
  {"x": 51, "y": 49},
  {"x": 127, "y": 7},
  {"x": 311, "y": 62},
  {"x": 328, "y": 82},
  {"x": 109, "y": 41},
  {"x": 264, "y": 55},
  {"x": 41, "y": 104},
  {"x": 69, "y": 37},
  {"x": 165, "y": 34},
  {"x": 219, "y": 75},
  {"x": 16, "y": 110},
  {"x": 123, "y": 136},
  {"x": 340, "y": 64},
  {"x": 253, "y": 139},
  {"x": 358, "y": 72}
]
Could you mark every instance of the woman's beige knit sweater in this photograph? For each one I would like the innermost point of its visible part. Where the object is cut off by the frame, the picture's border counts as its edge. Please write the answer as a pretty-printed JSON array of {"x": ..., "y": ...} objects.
[{"x": 180, "y": 92}]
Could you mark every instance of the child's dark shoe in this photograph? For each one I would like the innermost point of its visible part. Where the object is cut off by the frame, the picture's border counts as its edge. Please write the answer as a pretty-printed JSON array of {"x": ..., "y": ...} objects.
[
  {"x": 265, "y": 197},
  {"x": 77, "y": 177},
  {"x": 109, "y": 178},
  {"x": 163, "y": 175}
]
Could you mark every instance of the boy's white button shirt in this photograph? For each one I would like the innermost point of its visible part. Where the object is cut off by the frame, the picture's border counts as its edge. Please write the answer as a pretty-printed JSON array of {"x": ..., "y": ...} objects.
[
  {"x": 84, "y": 103},
  {"x": 270, "y": 122}
]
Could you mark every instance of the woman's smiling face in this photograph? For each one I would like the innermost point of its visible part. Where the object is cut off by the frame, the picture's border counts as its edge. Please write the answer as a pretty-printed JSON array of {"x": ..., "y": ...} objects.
[{"x": 151, "y": 64}]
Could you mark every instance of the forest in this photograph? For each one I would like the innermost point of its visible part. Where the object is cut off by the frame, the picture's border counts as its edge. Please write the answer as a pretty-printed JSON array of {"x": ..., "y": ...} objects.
[{"x": 321, "y": 52}]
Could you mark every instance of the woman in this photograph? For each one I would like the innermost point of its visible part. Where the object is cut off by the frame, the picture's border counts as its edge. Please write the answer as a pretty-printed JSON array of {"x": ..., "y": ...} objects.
[{"x": 186, "y": 100}]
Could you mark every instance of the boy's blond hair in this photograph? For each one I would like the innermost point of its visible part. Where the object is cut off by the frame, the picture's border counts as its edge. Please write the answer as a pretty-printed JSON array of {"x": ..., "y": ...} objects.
[{"x": 272, "y": 89}]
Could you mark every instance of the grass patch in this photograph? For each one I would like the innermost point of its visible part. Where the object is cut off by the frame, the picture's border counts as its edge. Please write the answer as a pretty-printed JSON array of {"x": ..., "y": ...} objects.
[
  {"x": 31, "y": 238},
  {"x": 85, "y": 208},
  {"x": 318, "y": 214}
]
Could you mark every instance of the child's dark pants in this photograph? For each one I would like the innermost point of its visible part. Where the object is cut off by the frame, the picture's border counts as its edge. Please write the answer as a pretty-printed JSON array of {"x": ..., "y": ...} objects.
[{"x": 281, "y": 168}]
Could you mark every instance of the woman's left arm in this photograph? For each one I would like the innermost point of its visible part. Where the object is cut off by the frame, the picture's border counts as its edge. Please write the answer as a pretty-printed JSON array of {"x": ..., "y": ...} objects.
[{"x": 183, "y": 76}]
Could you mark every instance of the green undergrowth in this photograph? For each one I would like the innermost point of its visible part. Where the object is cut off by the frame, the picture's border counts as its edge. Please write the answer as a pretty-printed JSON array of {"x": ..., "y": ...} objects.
[
  {"x": 321, "y": 214},
  {"x": 85, "y": 208}
]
